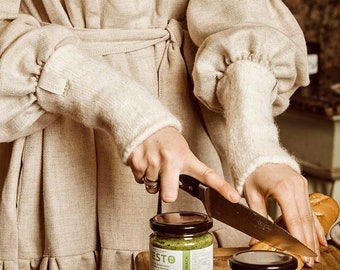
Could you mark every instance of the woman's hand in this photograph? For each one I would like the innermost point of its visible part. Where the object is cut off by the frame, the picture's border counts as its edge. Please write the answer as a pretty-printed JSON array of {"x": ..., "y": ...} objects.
[
  {"x": 290, "y": 190},
  {"x": 165, "y": 155}
]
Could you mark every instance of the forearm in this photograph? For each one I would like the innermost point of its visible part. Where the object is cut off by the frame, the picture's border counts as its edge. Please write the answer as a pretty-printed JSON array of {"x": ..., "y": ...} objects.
[
  {"x": 58, "y": 77},
  {"x": 91, "y": 92},
  {"x": 252, "y": 135},
  {"x": 251, "y": 59}
]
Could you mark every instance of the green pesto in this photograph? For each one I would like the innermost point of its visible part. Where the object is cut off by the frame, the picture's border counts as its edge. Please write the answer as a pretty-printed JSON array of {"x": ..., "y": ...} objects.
[{"x": 181, "y": 242}]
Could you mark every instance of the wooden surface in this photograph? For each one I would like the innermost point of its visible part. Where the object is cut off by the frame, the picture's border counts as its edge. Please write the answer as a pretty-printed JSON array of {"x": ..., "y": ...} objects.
[{"x": 330, "y": 258}]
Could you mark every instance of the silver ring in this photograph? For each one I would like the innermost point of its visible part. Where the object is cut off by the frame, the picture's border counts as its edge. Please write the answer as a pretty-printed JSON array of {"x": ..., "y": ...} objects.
[{"x": 151, "y": 186}]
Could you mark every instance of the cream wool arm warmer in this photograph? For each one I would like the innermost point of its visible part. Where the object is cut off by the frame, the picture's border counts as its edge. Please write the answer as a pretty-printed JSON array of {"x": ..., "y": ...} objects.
[
  {"x": 248, "y": 74},
  {"x": 94, "y": 94},
  {"x": 251, "y": 58},
  {"x": 252, "y": 135}
]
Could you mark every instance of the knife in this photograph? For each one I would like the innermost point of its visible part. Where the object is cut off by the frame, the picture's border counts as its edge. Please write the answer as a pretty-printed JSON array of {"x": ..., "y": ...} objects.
[{"x": 243, "y": 218}]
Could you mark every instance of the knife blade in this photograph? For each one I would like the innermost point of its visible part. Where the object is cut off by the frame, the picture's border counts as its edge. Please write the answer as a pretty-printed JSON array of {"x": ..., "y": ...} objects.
[{"x": 243, "y": 218}]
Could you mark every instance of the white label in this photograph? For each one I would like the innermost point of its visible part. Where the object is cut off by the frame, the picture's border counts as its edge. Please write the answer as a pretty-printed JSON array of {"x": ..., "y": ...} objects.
[
  {"x": 312, "y": 63},
  {"x": 198, "y": 259}
]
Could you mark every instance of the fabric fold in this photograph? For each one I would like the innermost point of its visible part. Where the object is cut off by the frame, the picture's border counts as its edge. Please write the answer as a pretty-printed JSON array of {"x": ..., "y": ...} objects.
[{"x": 256, "y": 43}]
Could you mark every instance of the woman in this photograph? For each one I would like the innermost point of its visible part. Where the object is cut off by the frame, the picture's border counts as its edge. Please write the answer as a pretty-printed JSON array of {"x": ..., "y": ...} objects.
[{"x": 89, "y": 87}]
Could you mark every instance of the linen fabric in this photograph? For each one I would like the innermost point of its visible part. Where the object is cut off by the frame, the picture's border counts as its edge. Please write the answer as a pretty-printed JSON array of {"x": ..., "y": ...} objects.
[{"x": 82, "y": 83}]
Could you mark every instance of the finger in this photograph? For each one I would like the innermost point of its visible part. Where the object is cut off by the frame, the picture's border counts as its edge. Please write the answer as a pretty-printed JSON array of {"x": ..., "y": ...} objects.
[
  {"x": 151, "y": 176},
  {"x": 138, "y": 179},
  {"x": 253, "y": 241},
  {"x": 317, "y": 247},
  {"x": 258, "y": 204},
  {"x": 320, "y": 231},
  {"x": 310, "y": 234},
  {"x": 299, "y": 221},
  {"x": 319, "y": 237},
  {"x": 151, "y": 186},
  {"x": 138, "y": 173},
  {"x": 143, "y": 166},
  {"x": 209, "y": 177},
  {"x": 138, "y": 166},
  {"x": 169, "y": 184},
  {"x": 297, "y": 227}
]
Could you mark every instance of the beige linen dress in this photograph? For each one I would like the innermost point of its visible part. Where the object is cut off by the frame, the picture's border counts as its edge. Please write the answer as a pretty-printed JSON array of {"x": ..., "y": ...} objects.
[{"x": 80, "y": 85}]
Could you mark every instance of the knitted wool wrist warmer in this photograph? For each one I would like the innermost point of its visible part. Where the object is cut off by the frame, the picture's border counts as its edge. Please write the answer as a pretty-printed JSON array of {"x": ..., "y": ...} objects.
[
  {"x": 247, "y": 91},
  {"x": 94, "y": 94}
]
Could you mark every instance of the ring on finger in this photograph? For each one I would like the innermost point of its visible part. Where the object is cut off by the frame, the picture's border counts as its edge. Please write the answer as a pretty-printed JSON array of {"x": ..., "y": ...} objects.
[{"x": 151, "y": 186}]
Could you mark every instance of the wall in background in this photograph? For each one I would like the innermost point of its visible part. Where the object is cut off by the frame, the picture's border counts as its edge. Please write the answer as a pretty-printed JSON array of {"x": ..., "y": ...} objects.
[{"x": 320, "y": 21}]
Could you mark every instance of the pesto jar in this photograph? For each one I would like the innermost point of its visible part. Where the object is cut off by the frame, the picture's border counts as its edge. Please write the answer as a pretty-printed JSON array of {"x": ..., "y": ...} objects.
[{"x": 181, "y": 241}]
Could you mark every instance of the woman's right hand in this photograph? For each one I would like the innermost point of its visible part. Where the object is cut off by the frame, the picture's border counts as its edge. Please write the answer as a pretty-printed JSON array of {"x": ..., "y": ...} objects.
[{"x": 165, "y": 155}]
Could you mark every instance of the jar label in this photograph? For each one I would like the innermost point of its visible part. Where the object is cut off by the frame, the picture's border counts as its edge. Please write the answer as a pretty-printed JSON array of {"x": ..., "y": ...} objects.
[{"x": 197, "y": 259}]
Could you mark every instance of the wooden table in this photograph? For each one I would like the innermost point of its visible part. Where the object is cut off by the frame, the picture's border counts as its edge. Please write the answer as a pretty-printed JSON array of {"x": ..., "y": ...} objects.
[{"x": 330, "y": 258}]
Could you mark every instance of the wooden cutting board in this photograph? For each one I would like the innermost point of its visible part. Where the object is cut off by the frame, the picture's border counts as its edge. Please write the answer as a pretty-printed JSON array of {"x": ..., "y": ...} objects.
[{"x": 330, "y": 258}]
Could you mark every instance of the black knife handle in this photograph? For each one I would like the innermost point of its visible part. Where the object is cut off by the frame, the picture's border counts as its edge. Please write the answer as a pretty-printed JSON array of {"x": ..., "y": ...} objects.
[{"x": 190, "y": 185}]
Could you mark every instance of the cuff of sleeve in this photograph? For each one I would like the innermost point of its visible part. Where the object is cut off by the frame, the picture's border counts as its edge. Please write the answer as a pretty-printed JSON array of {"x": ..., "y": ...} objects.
[
  {"x": 279, "y": 159},
  {"x": 161, "y": 122},
  {"x": 255, "y": 43}
]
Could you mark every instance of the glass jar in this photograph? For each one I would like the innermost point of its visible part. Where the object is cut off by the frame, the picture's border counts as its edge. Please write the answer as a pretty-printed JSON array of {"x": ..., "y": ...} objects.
[
  {"x": 181, "y": 241},
  {"x": 262, "y": 260}
]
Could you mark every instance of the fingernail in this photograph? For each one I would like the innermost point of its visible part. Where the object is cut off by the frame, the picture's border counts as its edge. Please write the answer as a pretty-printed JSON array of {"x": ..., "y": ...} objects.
[
  {"x": 325, "y": 243},
  {"x": 307, "y": 261},
  {"x": 252, "y": 242},
  {"x": 318, "y": 254},
  {"x": 310, "y": 262}
]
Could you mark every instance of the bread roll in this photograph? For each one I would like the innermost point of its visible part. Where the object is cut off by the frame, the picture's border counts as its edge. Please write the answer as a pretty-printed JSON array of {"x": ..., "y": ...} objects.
[
  {"x": 265, "y": 246},
  {"x": 324, "y": 207},
  {"x": 326, "y": 210}
]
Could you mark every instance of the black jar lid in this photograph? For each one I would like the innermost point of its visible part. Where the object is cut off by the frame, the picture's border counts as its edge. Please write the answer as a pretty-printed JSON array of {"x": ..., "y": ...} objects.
[
  {"x": 181, "y": 223},
  {"x": 262, "y": 260}
]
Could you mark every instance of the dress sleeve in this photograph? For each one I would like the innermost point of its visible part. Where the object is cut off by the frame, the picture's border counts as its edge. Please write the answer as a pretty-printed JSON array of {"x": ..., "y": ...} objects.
[
  {"x": 261, "y": 31},
  {"x": 251, "y": 58},
  {"x": 45, "y": 72},
  {"x": 24, "y": 48}
]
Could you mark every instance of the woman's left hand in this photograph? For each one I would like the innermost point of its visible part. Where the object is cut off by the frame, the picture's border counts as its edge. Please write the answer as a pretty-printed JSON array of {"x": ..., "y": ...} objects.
[{"x": 290, "y": 190}]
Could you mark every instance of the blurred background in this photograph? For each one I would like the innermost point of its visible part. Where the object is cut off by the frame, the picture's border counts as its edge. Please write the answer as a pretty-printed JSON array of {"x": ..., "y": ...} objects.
[{"x": 310, "y": 128}]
